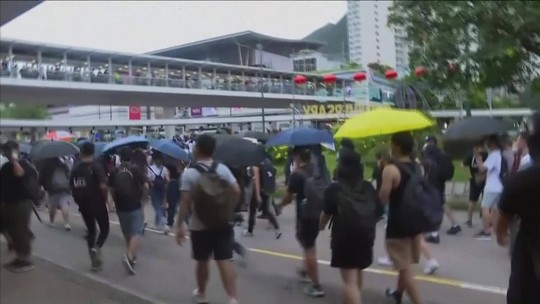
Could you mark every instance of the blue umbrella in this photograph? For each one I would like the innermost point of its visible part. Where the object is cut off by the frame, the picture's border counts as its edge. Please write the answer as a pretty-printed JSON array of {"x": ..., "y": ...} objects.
[
  {"x": 301, "y": 136},
  {"x": 169, "y": 148},
  {"x": 126, "y": 141}
]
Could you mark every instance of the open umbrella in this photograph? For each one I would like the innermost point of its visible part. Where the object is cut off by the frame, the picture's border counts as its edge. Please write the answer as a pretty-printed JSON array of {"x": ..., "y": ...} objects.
[
  {"x": 301, "y": 136},
  {"x": 383, "y": 121},
  {"x": 125, "y": 141},
  {"x": 169, "y": 148},
  {"x": 260, "y": 136},
  {"x": 59, "y": 136},
  {"x": 52, "y": 149},
  {"x": 476, "y": 128},
  {"x": 237, "y": 152}
]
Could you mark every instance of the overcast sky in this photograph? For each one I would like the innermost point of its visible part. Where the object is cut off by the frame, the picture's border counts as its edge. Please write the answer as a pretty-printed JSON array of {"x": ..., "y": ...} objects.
[{"x": 143, "y": 26}]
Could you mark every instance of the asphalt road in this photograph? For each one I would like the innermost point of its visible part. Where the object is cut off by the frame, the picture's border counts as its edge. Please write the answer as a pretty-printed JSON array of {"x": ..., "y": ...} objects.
[{"x": 471, "y": 271}]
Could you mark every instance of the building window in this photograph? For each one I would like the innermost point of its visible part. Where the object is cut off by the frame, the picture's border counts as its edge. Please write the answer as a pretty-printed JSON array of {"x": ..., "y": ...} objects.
[
  {"x": 377, "y": 33},
  {"x": 305, "y": 65},
  {"x": 376, "y": 19}
]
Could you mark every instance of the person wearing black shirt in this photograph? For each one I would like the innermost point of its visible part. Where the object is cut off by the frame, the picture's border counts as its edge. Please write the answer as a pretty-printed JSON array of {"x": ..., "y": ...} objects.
[
  {"x": 306, "y": 230},
  {"x": 477, "y": 180},
  {"x": 93, "y": 206},
  {"x": 402, "y": 247},
  {"x": 521, "y": 197},
  {"x": 16, "y": 205}
]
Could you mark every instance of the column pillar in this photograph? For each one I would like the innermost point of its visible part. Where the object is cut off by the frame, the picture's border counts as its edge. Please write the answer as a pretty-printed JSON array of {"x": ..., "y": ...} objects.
[
  {"x": 229, "y": 80},
  {"x": 199, "y": 76},
  {"x": 88, "y": 68},
  {"x": 149, "y": 73},
  {"x": 169, "y": 113},
  {"x": 214, "y": 79},
  {"x": 66, "y": 74},
  {"x": 12, "y": 72},
  {"x": 39, "y": 62},
  {"x": 166, "y": 74},
  {"x": 282, "y": 84},
  {"x": 130, "y": 72},
  {"x": 183, "y": 77},
  {"x": 110, "y": 70}
]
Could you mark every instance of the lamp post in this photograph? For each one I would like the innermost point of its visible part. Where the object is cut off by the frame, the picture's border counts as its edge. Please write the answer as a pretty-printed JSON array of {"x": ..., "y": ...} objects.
[{"x": 261, "y": 85}]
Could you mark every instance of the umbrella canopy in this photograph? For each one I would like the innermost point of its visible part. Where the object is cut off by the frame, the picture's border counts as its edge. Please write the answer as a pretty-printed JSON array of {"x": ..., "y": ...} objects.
[
  {"x": 476, "y": 128},
  {"x": 125, "y": 141},
  {"x": 302, "y": 136},
  {"x": 383, "y": 121},
  {"x": 170, "y": 148},
  {"x": 52, "y": 149},
  {"x": 260, "y": 136},
  {"x": 237, "y": 152},
  {"x": 59, "y": 136}
]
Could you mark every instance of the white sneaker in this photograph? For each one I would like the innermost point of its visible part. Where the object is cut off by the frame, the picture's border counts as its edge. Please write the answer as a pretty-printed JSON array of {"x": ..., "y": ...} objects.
[
  {"x": 67, "y": 227},
  {"x": 246, "y": 233},
  {"x": 384, "y": 261},
  {"x": 199, "y": 297},
  {"x": 431, "y": 267},
  {"x": 166, "y": 230},
  {"x": 233, "y": 301}
]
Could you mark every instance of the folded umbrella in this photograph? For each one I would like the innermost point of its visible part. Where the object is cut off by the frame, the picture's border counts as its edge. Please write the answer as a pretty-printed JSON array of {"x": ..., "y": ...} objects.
[
  {"x": 126, "y": 141},
  {"x": 301, "y": 136},
  {"x": 476, "y": 128},
  {"x": 52, "y": 149},
  {"x": 169, "y": 148},
  {"x": 238, "y": 152},
  {"x": 383, "y": 121}
]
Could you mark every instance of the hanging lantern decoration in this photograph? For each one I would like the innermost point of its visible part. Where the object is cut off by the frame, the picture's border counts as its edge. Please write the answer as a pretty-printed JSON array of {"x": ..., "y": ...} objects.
[
  {"x": 329, "y": 78},
  {"x": 360, "y": 76},
  {"x": 420, "y": 71},
  {"x": 391, "y": 74},
  {"x": 300, "y": 79}
]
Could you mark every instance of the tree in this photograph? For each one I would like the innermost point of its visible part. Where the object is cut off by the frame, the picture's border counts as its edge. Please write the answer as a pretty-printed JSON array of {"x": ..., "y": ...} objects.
[
  {"x": 379, "y": 68},
  {"x": 18, "y": 111},
  {"x": 468, "y": 44}
]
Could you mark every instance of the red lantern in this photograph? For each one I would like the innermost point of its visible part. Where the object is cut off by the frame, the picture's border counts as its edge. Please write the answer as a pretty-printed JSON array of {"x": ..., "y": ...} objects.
[
  {"x": 299, "y": 79},
  {"x": 329, "y": 78},
  {"x": 361, "y": 76},
  {"x": 391, "y": 74},
  {"x": 420, "y": 71}
]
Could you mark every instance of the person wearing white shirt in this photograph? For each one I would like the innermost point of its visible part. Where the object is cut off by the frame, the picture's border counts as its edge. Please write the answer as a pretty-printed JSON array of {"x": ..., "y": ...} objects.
[
  {"x": 493, "y": 167},
  {"x": 158, "y": 175}
]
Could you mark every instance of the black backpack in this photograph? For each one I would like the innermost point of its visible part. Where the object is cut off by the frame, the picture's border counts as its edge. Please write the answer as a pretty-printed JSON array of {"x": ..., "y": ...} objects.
[
  {"x": 159, "y": 183},
  {"x": 314, "y": 186},
  {"x": 212, "y": 197},
  {"x": 357, "y": 213},
  {"x": 84, "y": 184},
  {"x": 268, "y": 177},
  {"x": 503, "y": 174},
  {"x": 446, "y": 168},
  {"x": 125, "y": 188},
  {"x": 421, "y": 207}
]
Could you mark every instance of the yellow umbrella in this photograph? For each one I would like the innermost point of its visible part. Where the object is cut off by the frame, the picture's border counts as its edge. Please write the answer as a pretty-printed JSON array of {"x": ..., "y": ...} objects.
[{"x": 383, "y": 121}]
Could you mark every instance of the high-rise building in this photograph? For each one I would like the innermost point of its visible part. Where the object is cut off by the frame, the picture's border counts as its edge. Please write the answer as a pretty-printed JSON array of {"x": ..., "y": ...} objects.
[{"x": 370, "y": 39}]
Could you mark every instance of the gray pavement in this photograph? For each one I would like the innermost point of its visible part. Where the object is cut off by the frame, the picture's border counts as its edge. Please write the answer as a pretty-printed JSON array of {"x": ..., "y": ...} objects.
[{"x": 471, "y": 271}]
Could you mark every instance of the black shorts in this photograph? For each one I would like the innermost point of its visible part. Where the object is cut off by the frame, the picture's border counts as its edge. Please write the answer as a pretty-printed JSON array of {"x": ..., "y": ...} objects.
[
  {"x": 475, "y": 191},
  {"x": 359, "y": 257},
  {"x": 307, "y": 232},
  {"x": 212, "y": 242}
]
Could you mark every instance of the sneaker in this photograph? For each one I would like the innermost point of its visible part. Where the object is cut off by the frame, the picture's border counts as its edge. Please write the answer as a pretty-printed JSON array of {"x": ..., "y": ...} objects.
[
  {"x": 262, "y": 216},
  {"x": 145, "y": 224},
  {"x": 166, "y": 230},
  {"x": 246, "y": 233},
  {"x": 67, "y": 227},
  {"x": 302, "y": 274},
  {"x": 396, "y": 295},
  {"x": 130, "y": 267},
  {"x": 433, "y": 239},
  {"x": 454, "y": 230},
  {"x": 468, "y": 224},
  {"x": 134, "y": 260},
  {"x": 384, "y": 261},
  {"x": 313, "y": 290},
  {"x": 19, "y": 266},
  {"x": 96, "y": 261},
  {"x": 431, "y": 267},
  {"x": 483, "y": 236},
  {"x": 278, "y": 234},
  {"x": 199, "y": 297},
  {"x": 233, "y": 301}
]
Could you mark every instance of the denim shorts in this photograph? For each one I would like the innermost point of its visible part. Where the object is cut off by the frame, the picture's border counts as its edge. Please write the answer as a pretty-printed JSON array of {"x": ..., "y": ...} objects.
[
  {"x": 490, "y": 199},
  {"x": 131, "y": 222}
]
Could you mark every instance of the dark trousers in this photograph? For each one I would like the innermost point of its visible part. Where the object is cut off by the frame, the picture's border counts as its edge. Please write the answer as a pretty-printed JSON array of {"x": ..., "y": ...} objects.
[
  {"x": 524, "y": 281},
  {"x": 16, "y": 224},
  {"x": 171, "y": 212},
  {"x": 91, "y": 216},
  {"x": 266, "y": 210}
]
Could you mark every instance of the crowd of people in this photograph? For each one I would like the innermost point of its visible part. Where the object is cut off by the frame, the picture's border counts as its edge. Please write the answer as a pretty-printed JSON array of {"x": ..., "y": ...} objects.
[{"x": 205, "y": 199}]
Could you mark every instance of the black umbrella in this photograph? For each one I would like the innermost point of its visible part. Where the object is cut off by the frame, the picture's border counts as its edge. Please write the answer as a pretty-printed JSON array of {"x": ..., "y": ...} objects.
[
  {"x": 52, "y": 149},
  {"x": 237, "y": 152},
  {"x": 476, "y": 128},
  {"x": 260, "y": 136}
]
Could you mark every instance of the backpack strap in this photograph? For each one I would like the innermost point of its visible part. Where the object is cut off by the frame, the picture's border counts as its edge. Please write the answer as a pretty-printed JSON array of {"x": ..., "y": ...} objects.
[
  {"x": 406, "y": 169},
  {"x": 202, "y": 168}
]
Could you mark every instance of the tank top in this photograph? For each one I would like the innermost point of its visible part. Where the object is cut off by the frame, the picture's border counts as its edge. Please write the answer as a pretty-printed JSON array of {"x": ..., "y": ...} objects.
[{"x": 393, "y": 229}]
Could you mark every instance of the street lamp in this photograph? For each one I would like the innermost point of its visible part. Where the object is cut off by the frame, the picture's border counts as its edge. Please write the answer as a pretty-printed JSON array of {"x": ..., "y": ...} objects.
[{"x": 261, "y": 85}]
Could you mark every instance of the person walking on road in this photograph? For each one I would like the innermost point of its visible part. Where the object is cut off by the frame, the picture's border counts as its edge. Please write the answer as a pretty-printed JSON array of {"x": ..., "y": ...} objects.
[
  {"x": 55, "y": 180},
  {"x": 128, "y": 187},
  {"x": 210, "y": 190},
  {"x": 16, "y": 197},
  {"x": 158, "y": 175},
  {"x": 477, "y": 180},
  {"x": 88, "y": 183}
]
